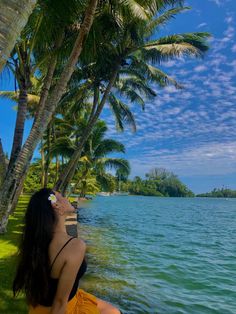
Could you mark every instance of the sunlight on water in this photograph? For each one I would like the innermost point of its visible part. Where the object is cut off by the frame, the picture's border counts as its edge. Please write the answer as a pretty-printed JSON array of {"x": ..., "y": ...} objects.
[{"x": 161, "y": 255}]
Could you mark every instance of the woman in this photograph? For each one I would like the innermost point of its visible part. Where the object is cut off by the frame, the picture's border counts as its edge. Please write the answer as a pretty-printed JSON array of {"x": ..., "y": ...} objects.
[{"x": 51, "y": 262}]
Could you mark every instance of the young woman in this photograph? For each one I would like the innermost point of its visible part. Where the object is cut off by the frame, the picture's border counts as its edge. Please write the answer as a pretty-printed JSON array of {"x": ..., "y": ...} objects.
[{"x": 51, "y": 262}]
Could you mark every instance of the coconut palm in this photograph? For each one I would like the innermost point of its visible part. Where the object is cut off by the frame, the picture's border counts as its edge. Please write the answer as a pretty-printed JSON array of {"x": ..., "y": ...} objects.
[
  {"x": 74, "y": 24},
  {"x": 14, "y": 15},
  {"x": 65, "y": 134},
  {"x": 126, "y": 64},
  {"x": 3, "y": 164},
  {"x": 47, "y": 106},
  {"x": 109, "y": 51},
  {"x": 94, "y": 158},
  {"x": 87, "y": 184}
]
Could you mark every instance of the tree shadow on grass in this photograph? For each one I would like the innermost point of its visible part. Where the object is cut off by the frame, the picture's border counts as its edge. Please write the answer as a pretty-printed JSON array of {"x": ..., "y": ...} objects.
[
  {"x": 8, "y": 304},
  {"x": 9, "y": 245}
]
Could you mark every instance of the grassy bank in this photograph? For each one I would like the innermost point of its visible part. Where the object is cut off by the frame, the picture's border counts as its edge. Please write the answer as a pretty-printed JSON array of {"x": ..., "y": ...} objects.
[{"x": 8, "y": 248}]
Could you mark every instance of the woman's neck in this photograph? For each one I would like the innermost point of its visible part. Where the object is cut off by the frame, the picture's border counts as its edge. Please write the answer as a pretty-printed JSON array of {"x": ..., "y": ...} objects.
[{"x": 60, "y": 226}]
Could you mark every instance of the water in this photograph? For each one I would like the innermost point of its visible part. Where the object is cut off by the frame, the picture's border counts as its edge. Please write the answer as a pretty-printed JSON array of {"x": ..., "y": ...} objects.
[{"x": 151, "y": 255}]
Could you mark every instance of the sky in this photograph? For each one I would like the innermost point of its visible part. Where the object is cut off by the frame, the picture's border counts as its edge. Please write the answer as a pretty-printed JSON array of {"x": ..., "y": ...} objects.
[{"x": 191, "y": 131}]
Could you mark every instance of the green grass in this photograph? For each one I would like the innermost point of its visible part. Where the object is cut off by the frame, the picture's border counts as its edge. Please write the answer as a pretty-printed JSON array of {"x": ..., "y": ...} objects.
[{"x": 8, "y": 248}]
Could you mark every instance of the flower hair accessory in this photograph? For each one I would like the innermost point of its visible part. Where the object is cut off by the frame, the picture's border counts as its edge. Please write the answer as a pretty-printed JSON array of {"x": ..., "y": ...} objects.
[{"x": 52, "y": 198}]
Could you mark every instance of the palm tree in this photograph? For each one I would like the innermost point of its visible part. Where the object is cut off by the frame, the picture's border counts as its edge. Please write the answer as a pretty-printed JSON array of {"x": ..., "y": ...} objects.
[
  {"x": 65, "y": 46},
  {"x": 13, "y": 17},
  {"x": 3, "y": 165},
  {"x": 20, "y": 65},
  {"x": 47, "y": 106},
  {"x": 94, "y": 160},
  {"x": 127, "y": 64},
  {"x": 87, "y": 184},
  {"x": 61, "y": 141}
]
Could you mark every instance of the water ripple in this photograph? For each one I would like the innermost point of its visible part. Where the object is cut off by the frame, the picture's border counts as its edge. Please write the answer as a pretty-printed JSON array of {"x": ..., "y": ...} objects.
[{"x": 152, "y": 255}]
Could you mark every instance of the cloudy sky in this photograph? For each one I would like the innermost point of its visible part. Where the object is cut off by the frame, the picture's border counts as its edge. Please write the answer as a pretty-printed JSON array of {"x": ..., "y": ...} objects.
[{"x": 191, "y": 131}]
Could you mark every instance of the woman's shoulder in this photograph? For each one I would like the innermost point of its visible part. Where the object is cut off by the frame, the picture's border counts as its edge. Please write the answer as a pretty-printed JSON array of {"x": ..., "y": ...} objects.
[
  {"x": 66, "y": 247},
  {"x": 76, "y": 247},
  {"x": 78, "y": 242}
]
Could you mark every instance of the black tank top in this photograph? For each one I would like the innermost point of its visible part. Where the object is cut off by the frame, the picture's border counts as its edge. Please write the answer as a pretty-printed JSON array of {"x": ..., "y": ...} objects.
[{"x": 53, "y": 282}]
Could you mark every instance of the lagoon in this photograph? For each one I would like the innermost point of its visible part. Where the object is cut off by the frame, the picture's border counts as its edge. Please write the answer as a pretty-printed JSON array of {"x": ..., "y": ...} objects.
[{"x": 152, "y": 255}]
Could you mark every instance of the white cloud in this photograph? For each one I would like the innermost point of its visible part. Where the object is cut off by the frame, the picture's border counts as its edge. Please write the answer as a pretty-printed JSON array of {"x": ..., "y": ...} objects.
[
  {"x": 208, "y": 159},
  {"x": 202, "y": 25},
  {"x": 219, "y": 3},
  {"x": 198, "y": 121},
  {"x": 200, "y": 68},
  {"x": 234, "y": 48}
]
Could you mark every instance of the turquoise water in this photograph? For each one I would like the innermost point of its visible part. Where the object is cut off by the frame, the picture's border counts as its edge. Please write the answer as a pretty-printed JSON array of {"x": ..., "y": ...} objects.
[{"x": 161, "y": 255}]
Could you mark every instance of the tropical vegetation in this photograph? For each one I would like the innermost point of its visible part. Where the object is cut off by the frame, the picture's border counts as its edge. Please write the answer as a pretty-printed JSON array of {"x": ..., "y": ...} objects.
[
  {"x": 220, "y": 192},
  {"x": 157, "y": 182},
  {"x": 92, "y": 174},
  {"x": 69, "y": 62},
  {"x": 14, "y": 16}
]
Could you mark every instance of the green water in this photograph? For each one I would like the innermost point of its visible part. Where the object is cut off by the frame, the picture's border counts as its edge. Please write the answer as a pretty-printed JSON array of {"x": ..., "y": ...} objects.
[{"x": 161, "y": 255}]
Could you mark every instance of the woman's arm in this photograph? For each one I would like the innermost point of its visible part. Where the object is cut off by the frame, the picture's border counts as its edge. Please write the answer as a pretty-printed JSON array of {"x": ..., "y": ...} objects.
[{"x": 67, "y": 277}]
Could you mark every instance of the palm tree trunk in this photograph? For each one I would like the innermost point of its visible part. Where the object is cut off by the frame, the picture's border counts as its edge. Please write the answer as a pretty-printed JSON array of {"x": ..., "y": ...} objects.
[
  {"x": 81, "y": 178},
  {"x": 42, "y": 165},
  {"x": 3, "y": 166},
  {"x": 40, "y": 124},
  {"x": 19, "y": 126},
  {"x": 57, "y": 168},
  {"x": 17, "y": 194},
  {"x": 14, "y": 15},
  {"x": 68, "y": 172},
  {"x": 47, "y": 162},
  {"x": 83, "y": 190}
]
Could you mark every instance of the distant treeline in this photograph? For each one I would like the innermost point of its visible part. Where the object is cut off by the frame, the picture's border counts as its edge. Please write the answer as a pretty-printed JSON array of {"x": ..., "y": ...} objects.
[
  {"x": 223, "y": 192},
  {"x": 158, "y": 182}
]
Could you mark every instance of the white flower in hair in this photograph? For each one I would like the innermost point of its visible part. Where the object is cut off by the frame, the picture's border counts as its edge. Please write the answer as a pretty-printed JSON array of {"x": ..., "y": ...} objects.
[{"x": 52, "y": 198}]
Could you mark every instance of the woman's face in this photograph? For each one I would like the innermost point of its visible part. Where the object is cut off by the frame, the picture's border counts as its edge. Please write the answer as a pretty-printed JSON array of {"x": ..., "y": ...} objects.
[{"x": 62, "y": 204}]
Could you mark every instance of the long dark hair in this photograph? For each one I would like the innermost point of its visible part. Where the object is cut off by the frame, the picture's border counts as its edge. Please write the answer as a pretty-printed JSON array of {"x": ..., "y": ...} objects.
[{"x": 33, "y": 271}]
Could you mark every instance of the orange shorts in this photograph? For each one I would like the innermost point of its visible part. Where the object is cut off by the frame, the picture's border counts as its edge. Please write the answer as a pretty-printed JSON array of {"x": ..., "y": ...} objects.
[{"x": 82, "y": 303}]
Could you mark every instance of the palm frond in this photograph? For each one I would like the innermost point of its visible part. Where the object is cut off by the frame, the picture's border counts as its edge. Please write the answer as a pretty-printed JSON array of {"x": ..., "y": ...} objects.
[
  {"x": 62, "y": 147},
  {"x": 122, "y": 113},
  {"x": 108, "y": 146},
  {"x": 140, "y": 85},
  {"x": 33, "y": 100},
  {"x": 10, "y": 95},
  {"x": 158, "y": 76},
  {"x": 131, "y": 94},
  {"x": 136, "y": 10},
  {"x": 117, "y": 164},
  {"x": 177, "y": 45},
  {"x": 162, "y": 19}
]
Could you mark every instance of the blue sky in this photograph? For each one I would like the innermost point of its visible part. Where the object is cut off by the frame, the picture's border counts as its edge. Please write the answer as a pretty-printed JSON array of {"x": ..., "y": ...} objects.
[{"x": 192, "y": 131}]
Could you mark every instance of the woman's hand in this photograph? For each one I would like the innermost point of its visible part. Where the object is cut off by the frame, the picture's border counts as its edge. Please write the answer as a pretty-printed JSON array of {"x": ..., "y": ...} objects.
[{"x": 62, "y": 204}]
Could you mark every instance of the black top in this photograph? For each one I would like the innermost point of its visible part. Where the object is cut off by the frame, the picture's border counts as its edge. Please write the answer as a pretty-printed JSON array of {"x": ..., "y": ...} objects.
[{"x": 53, "y": 282}]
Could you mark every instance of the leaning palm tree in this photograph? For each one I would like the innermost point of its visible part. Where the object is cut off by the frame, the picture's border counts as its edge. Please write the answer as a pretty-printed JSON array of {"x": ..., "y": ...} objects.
[
  {"x": 47, "y": 105},
  {"x": 74, "y": 23},
  {"x": 14, "y": 15},
  {"x": 127, "y": 62},
  {"x": 3, "y": 164}
]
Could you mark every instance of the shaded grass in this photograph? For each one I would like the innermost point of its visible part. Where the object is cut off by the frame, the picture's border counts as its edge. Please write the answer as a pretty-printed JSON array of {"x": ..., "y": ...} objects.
[{"x": 8, "y": 249}]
